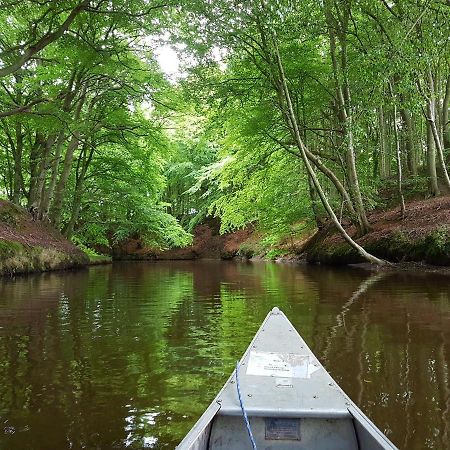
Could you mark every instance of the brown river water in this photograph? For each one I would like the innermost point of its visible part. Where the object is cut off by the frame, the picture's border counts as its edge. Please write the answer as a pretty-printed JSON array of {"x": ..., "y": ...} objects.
[{"x": 129, "y": 355}]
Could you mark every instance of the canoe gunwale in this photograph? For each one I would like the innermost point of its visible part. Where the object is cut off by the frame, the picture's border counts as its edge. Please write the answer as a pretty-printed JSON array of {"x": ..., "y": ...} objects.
[
  {"x": 360, "y": 418},
  {"x": 200, "y": 426}
]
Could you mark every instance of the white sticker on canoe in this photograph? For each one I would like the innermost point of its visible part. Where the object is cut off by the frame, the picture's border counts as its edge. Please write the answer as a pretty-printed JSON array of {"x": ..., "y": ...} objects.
[{"x": 285, "y": 365}]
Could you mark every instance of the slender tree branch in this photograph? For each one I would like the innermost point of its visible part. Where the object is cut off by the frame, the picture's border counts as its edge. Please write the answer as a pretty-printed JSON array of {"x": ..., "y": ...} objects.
[{"x": 47, "y": 39}]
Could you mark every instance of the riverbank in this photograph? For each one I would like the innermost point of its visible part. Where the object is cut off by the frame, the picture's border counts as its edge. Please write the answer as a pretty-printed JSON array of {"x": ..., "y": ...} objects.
[
  {"x": 31, "y": 246},
  {"x": 419, "y": 241}
]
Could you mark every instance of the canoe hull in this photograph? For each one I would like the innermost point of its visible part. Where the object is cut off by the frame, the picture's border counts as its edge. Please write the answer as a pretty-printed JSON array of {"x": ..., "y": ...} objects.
[{"x": 291, "y": 401}]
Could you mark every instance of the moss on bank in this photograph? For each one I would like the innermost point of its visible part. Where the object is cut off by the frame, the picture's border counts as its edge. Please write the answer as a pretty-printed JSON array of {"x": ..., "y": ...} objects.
[
  {"x": 431, "y": 247},
  {"x": 96, "y": 260},
  {"x": 16, "y": 258}
]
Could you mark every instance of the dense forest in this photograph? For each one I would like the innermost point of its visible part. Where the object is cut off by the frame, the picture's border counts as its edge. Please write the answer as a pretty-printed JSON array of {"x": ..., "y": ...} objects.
[{"x": 283, "y": 112}]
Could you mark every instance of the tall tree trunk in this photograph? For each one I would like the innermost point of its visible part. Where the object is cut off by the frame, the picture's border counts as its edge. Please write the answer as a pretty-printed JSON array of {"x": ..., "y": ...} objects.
[
  {"x": 37, "y": 150},
  {"x": 47, "y": 191},
  {"x": 10, "y": 148},
  {"x": 42, "y": 172},
  {"x": 17, "y": 154},
  {"x": 399, "y": 163},
  {"x": 8, "y": 177},
  {"x": 82, "y": 168},
  {"x": 346, "y": 118},
  {"x": 445, "y": 115},
  {"x": 354, "y": 182},
  {"x": 431, "y": 162},
  {"x": 408, "y": 133},
  {"x": 385, "y": 166},
  {"x": 431, "y": 118},
  {"x": 56, "y": 208},
  {"x": 75, "y": 212}
]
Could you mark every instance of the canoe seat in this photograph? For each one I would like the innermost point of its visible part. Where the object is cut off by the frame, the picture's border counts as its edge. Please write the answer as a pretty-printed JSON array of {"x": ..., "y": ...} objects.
[{"x": 229, "y": 433}]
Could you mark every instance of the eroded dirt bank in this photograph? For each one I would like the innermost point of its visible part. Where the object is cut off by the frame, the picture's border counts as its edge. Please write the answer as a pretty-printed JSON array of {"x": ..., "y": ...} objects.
[
  {"x": 422, "y": 236},
  {"x": 207, "y": 243},
  {"x": 31, "y": 246}
]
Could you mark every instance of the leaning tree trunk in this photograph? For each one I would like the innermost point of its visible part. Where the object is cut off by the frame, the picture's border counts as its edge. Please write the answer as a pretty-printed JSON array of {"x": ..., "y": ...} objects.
[
  {"x": 314, "y": 203},
  {"x": 290, "y": 114},
  {"x": 336, "y": 182},
  {"x": 316, "y": 160}
]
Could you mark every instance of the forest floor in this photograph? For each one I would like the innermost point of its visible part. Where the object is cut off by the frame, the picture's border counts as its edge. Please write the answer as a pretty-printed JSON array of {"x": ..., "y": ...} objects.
[{"x": 27, "y": 245}]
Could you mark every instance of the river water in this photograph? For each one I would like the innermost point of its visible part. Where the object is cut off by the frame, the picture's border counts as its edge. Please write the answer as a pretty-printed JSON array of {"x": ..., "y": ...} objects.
[{"x": 129, "y": 355}]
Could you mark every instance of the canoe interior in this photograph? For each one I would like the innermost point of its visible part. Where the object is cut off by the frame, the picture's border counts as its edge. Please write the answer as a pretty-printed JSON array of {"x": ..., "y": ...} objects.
[
  {"x": 299, "y": 434},
  {"x": 230, "y": 433},
  {"x": 291, "y": 401}
]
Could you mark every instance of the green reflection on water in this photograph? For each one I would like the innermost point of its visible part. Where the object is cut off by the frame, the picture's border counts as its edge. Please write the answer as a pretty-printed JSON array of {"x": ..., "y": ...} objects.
[{"x": 129, "y": 355}]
